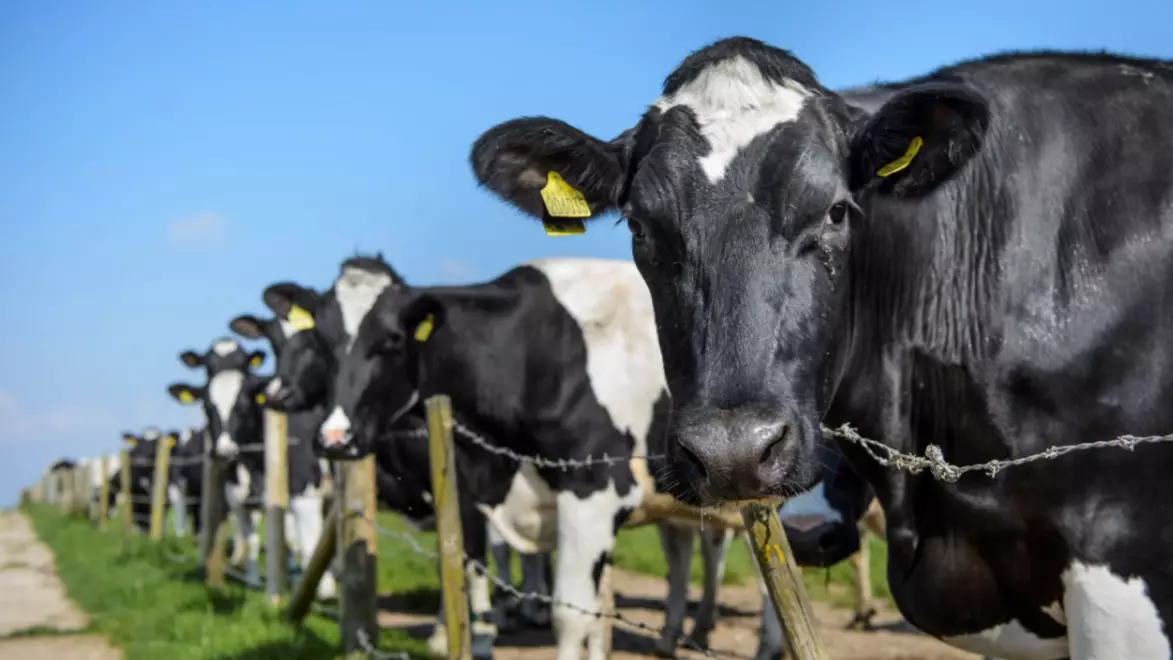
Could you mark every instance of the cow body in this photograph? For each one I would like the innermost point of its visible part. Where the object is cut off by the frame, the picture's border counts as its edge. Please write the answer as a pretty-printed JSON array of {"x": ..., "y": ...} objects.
[
  {"x": 186, "y": 480},
  {"x": 975, "y": 259}
]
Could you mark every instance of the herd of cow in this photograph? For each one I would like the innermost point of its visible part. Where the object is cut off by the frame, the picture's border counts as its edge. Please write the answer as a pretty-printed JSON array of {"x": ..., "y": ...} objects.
[{"x": 976, "y": 259}]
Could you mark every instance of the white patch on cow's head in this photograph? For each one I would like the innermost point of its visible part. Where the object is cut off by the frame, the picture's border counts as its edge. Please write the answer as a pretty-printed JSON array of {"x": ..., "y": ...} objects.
[
  {"x": 226, "y": 446},
  {"x": 287, "y": 328},
  {"x": 185, "y": 437},
  {"x": 225, "y": 347},
  {"x": 151, "y": 433},
  {"x": 336, "y": 428},
  {"x": 734, "y": 103},
  {"x": 223, "y": 390},
  {"x": 273, "y": 387},
  {"x": 356, "y": 291}
]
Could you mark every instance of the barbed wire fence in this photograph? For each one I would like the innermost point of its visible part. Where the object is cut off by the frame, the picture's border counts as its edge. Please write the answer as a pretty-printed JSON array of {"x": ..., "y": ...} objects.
[{"x": 352, "y": 524}]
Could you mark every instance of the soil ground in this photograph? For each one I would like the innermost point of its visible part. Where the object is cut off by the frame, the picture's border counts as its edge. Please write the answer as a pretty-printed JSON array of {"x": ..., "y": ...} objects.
[
  {"x": 641, "y": 598},
  {"x": 37, "y": 619}
]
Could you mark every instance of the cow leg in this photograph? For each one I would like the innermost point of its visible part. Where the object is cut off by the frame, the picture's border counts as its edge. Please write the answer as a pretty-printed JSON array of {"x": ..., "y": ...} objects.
[
  {"x": 234, "y": 498},
  {"x": 484, "y": 632},
  {"x": 175, "y": 497},
  {"x": 252, "y": 537},
  {"x": 586, "y": 540},
  {"x": 309, "y": 524},
  {"x": 676, "y": 543},
  {"x": 861, "y": 566},
  {"x": 535, "y": 571},
  {"x": 714, "y": 549},
  {"x": 506, "y": 604}
]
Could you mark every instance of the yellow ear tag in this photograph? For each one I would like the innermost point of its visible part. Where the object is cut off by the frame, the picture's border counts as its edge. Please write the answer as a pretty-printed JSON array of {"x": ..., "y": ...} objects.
[
  {"x": 130, "y": 441},
  {"x": 563, "y": 201},
  {"x": 300, "y": 319},
  {"x": 185, "y": 397},
  {"x": 902, "y": 162},
  {"x": 256, "y": 361},
  {"x": 261, "y": 398},
  {"x": 424, "y": 329},
  {"x": 170, "y": 441}
]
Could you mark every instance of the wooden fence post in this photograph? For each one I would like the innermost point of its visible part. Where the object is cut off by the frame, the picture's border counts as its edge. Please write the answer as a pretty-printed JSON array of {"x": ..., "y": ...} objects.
[
  {"x": 159, "y": 487},
  {"x": 358, "y": 593},
  {"x": 124, "y": 508},
  {"x": 104, "y": 493},
  {"x": 276, "y": 503},
  {"x": 783, "y": 581},
  {"x": 65, "y": 477},
  {"x": 213, "y": 526},
  {"x": 449, "y": 535},
  {"x": 303, "y": 596}
]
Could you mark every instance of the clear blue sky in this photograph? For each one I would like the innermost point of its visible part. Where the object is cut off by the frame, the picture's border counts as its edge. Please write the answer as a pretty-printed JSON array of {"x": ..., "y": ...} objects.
[{"x": 160, "y": 163}]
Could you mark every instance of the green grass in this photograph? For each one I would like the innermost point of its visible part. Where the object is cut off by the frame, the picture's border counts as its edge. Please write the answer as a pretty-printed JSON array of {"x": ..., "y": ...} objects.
[{"x": 153, "y": 608}]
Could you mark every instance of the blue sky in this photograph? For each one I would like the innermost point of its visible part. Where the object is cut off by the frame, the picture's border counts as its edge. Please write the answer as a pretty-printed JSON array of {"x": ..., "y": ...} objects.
[{"x": 160, "y": 163}]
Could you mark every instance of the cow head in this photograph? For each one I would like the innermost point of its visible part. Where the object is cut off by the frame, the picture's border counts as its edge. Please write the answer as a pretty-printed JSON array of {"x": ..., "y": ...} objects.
[
  {"x": 744, "y": 186},
  {"x": 141, "y": 454},
  {"x": 303, "y": 361},
  {"x": 233, "y": 397},
  {"x": 341, "y": 320}
]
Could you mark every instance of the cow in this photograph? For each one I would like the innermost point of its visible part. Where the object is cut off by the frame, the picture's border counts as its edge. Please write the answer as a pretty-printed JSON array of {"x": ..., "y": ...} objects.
[
  {"x": 535, "y": 364},
  {"x": 186, "y": 484},
  {"x": 403, "y": 486},
  {"x": 974, "y": 259}
]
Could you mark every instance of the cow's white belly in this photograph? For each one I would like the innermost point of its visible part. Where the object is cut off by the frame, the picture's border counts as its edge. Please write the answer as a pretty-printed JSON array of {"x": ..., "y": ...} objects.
[
  {"x": 1013, "y": 642},
  {"x": 528, "y": 517}
]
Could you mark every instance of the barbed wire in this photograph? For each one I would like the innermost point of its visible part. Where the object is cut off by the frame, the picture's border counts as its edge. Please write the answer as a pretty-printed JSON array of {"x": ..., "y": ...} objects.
[
  {"x": 934, "y": 460},
  {"x": 509, "y": 589}
]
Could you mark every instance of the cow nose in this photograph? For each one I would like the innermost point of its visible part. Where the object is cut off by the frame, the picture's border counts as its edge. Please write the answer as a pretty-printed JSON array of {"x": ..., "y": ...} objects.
[
  {"x": 729, "y": 455},
  {"x": 336, "y": 429},
  {"x": 335, "y": 437}
]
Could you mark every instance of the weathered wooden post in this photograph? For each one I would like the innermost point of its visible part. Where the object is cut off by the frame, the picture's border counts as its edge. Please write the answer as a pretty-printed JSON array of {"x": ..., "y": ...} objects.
[
  {"x": 783, "y": 580},
  {"x": 104, "y": 493},
  {"x": 213, "y": 527},
  {"x": 449, "y": 536},
  {"x": 303, "y": 596},
  {"x": 124, "y": 508},
  {"x": 276, "y": 503},
  {"x": 159, "y": 487},
  {"x": 358, "y": 545}
]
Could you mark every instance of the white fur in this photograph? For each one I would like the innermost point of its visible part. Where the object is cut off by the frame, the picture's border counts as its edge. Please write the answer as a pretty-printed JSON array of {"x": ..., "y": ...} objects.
[
  {"x": 1013, "y": 642},
  {"x": 247, "y": 533},
  {"x": 610, "y": 301},
  {"x": 308, "y": 528},
  {"x": 178, "y": 509},
  {"x": 527, "y": 519},
  {"x": 225, "y": 347},
  {"x": 811, "y": 502},
  {"x": 734, "y": 103},
  {"x": 1110, "y": 616},
  {"x": 584, "y": 535},
  {"x": 336, "y": 421},
  {"x": 356, "y": 291},
  {"x": 223, "y": 390}
]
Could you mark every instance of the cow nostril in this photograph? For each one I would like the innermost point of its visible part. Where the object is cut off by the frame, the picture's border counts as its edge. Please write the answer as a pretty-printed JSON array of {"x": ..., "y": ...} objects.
[
  {"x": 774, "y": 448},
  {"x": 692, "y": 460}
]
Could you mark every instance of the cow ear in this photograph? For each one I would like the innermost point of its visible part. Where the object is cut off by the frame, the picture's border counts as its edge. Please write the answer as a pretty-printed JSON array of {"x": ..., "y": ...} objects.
[
  {"x": 918, "y": 140},
  {"x": 248, "y": 326},
  {"x": 183, "y": 393},
  {"x": 191, "y": 359},
  {"x": 422, "y": 317},
  {"x": 129, "y": 438},
  {"x": 259, "y": 390},
  {"x": 256, "y": 359},
  {"x": 551, "y": 170},
  {"x": 284, "y": 297}
]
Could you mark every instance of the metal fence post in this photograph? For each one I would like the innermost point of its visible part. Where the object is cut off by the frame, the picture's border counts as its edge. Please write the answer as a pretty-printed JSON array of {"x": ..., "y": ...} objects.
[{"x": 449, "y": 535}]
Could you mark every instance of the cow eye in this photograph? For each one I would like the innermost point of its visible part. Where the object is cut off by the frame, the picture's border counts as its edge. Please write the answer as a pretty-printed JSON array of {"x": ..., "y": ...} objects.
[
  {"x": 837, "y": 213},
  {"x": 637, "y": 229}
]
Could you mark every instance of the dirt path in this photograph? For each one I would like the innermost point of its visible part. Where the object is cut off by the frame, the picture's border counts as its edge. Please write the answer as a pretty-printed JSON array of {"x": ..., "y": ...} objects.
[
  {"x": 32, "y": 599},
  {"x": 641, "y": 598}
]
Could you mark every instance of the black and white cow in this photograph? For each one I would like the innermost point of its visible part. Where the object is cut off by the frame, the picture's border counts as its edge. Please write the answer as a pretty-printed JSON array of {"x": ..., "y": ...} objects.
[
  {"x": 187, "y": 480},
  {"x": 97, "y": 476},
  {"x": 539, "y": 360},
  {"x": 303, "y": 358},
  {"x": 976, "y": 259}
]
